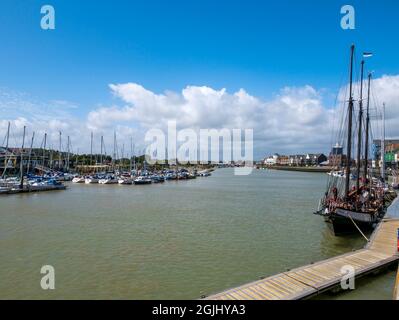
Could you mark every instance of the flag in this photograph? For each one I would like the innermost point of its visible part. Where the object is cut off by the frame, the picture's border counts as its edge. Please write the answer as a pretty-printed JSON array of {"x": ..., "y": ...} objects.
[{"x": 367, "y": 54}]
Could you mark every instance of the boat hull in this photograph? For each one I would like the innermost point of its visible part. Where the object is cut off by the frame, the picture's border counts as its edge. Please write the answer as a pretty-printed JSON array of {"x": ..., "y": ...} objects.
[
  {"x": 142, "y": 182},
  {"x": 340, "y": 225}
]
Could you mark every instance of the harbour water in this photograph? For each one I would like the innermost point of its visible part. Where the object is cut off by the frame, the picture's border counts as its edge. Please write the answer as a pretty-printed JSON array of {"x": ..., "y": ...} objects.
[{"x": 176, "y": 240}]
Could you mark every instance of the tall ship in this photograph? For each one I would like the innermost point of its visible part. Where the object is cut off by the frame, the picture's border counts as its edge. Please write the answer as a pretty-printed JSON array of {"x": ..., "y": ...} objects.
[{"x": 357, "y": 195}]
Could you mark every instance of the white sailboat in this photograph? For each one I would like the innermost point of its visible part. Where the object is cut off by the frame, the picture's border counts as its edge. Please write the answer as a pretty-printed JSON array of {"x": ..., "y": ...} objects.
[
  {"x": 91, "y": 180},
  {"x": 108, "y": 180},
  {"x": 78, "y": 180}
]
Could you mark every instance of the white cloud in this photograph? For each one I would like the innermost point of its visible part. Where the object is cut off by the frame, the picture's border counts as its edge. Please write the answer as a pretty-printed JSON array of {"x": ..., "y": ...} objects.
[
  {"x": 294, "y": 120},
  {"x": 295, "y": 116}
]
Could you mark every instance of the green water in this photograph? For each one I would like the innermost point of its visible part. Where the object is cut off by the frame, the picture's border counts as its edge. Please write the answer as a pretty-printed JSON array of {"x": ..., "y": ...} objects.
[{"x": 177, "y": 240}]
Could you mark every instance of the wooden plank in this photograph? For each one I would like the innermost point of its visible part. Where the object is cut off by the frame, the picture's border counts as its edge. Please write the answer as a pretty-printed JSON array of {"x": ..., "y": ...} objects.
[
  {"x": 260, "y": 294},
  {"x": 270, "y": 289}
]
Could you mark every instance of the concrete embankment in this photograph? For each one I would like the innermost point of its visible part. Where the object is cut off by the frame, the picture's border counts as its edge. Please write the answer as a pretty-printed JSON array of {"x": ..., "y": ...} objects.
[{"x": 301, "y": 169}]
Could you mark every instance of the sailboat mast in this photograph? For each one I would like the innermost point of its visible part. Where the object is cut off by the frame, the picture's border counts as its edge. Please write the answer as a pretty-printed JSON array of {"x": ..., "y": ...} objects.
[
  {"x": 21, "y": 165},
  {"x": 59, "y": 154},
  {"x": 67, "y": 166},
  {"x": 102, "y": 146},
  {"x": 114, "y": 155},
  {"x": 350, "y": 113},
  {"x": 383, "y": 144},
  {"x": 8, "y": 134},
  {"x": 30, "y": 151},
  {"x": 91, "y": 148},
  {"x": 359, "y": 136},
  {"x": 366, "y": 146},
  {"x": 131, "y": 155},
  {"x": 134, "y": 159},
  {"x": 44, "y": 149},
  {"x": 23, "y": 138}
]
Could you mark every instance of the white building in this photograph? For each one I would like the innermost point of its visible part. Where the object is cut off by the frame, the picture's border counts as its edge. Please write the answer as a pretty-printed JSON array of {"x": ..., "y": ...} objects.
[{"x": 271, "y": 160}]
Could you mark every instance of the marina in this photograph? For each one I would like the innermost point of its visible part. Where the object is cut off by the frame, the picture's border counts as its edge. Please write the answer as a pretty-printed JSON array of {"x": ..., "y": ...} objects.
[
  {"x": 197, "y": 156},
  {"x": 122, "y": 242}
]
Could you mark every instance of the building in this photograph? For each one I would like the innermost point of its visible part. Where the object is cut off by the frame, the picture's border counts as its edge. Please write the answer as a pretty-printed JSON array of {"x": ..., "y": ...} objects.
[
  {"x": 315, "y": 159},
  {"x": 376, "y": 147},
  {"x": 391, "y": 153},
  {"x": 271, "y": 160},
  {"x": 297, "y": 160},
  {"x": 337, "y": 157},
  {"x": 283, "y": 160},
  {"x": 7, "y": 158}
]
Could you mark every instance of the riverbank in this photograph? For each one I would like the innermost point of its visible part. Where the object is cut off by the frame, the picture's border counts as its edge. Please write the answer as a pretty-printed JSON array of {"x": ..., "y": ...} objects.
[{"x": 301, "y": 169}]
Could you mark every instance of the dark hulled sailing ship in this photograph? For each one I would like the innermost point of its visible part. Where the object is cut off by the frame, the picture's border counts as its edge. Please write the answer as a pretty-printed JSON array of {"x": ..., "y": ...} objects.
[{"x": 354, "y": 202}]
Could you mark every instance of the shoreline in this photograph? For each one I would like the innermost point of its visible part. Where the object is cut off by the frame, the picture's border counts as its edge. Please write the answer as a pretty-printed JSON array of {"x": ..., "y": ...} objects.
[{"x": 301, "y": 169}]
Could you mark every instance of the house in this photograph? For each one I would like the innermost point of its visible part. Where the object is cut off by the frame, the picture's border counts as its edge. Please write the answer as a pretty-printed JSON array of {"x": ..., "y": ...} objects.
[
  {"x": 315, "y": 159},
  {"x": 271, "y": 160},
  {"x": 283, "y": 160},
  {"x": 297, "y": 160},
  {"x": 391, "y": 153},
  {"x": 337, "y": 157}
]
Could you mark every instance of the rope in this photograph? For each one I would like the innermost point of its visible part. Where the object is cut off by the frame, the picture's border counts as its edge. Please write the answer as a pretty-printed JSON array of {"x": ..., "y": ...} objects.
[{"x": 358, "y": 228}]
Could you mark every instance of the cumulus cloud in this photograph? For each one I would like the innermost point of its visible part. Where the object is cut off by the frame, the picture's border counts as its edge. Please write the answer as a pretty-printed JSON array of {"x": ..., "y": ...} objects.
[
  {"x": 294, "y": 116},
  {"x": 296, "y": 119}
]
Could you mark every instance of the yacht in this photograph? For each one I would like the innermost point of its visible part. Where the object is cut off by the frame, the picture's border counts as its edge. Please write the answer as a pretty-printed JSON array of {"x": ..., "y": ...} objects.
[
  {"x": 143, "y": 180},
  {"x": 125, "y": 180},
  {"x": 91, "y": 180},
  {"x": 108, "y": 180},
  {"x": 78, "y": 180}
]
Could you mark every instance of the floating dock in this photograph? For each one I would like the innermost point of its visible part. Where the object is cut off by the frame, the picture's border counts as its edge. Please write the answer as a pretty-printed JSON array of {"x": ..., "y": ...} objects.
[
  {"x": 31, "y": 189},
  {"x": 311, "y": 280}
]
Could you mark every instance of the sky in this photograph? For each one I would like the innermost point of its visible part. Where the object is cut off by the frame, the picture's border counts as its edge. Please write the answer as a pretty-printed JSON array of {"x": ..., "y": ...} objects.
[{"x": 274, "y": 66}]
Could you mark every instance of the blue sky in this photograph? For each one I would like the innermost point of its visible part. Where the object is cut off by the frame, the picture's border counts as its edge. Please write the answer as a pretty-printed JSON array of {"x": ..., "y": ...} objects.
[{"x": 261, "y": 46}]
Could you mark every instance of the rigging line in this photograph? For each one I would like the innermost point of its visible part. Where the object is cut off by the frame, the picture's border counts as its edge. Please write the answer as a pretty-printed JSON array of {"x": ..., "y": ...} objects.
[
  {"x": 336, "y": 107},
  {"x": 4, "y": 141},
  {"x": 357, "y": 227}
]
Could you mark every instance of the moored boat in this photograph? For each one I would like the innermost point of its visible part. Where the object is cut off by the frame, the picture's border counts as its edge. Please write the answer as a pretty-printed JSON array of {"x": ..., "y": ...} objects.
[
  {"x": 355, "y": 202},
  {"x": 125, "y": 180},
  {"x": 78, "y": 180},
  {"x": 108, "y": 180},
  {"x": 142, "y": 180},
  {"x": 91, "y": 180}
]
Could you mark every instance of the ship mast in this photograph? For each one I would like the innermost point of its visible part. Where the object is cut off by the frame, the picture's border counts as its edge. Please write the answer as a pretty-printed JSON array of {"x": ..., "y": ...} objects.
[
  {"x": 383, "y": 144},
  {"x": 101, "y": 156},
  {"x": 359, "y": 137},
  {"x": 91, "y": 148},
  {"x": 44, "y": 150},
  {"x": 68, "y": 151},
  {"x": 21, "y": 181},
  {"x": 366, "y": 146},
  {"x": 59, "y": 154},
  {"x": 349, "y": 139},
  {"x": 114, "y": 155},
  {"x": 8, "y": 134}
]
